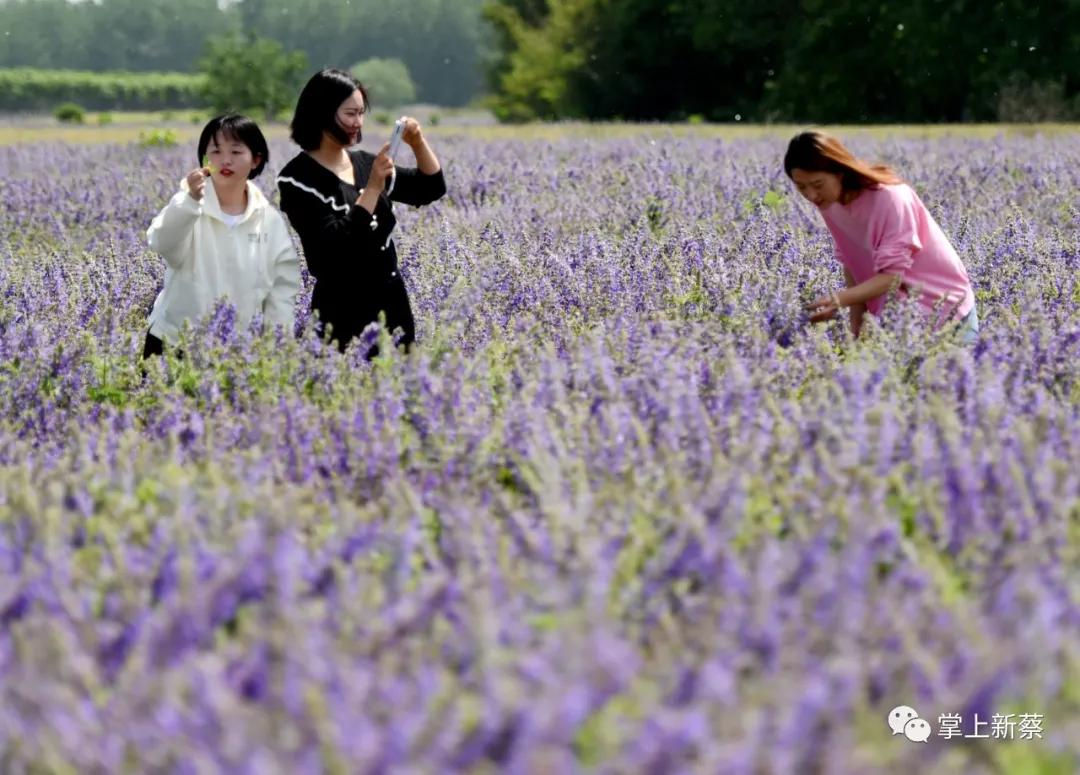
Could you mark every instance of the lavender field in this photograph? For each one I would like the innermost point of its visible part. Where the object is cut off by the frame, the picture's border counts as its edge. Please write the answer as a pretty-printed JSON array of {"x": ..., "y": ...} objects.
[{"x": 622, "y": 511}]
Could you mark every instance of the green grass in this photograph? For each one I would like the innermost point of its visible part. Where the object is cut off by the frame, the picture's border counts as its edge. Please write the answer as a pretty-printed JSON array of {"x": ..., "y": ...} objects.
[{"x": 120, "y": 127}]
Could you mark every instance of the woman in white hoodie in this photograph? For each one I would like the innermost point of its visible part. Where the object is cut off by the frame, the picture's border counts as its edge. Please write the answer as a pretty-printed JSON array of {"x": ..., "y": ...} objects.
[{"x": 220, "y": 237}]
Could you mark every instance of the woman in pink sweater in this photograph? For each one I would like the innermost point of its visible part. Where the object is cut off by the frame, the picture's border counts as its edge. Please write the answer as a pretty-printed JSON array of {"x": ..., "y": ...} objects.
[{"x": 885, "y": 238}]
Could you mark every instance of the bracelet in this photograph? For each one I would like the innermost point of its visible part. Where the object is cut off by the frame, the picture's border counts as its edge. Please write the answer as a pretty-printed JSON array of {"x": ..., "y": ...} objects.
[{"x": 836, "y": 300}]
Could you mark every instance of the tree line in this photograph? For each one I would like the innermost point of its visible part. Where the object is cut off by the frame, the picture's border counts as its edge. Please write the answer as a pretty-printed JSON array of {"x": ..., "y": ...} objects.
[
  {"x": 442, "y": 42},
  {"x": 29, "y": 89},
  {"x": 787, "y": 60},
  {"x": 719, "y": 60}
]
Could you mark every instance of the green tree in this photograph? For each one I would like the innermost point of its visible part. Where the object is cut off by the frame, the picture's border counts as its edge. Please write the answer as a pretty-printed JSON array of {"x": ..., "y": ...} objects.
[
  {"x": 151, "y": 35},
  {"x": 387, "y": 81},
  {"x": 634, "y": 59},
  {"x": 938, "y": 60},
  {"x": 650, "y": 59},
  {"x": 793, "y": 60},
  {"x": 440, "y": 41},
  {"x": 251, "y": 74},
  {"x": 44, "y": 33},
  {"x": 547, "y": 55},
  {"x": 107, "y": 34}
]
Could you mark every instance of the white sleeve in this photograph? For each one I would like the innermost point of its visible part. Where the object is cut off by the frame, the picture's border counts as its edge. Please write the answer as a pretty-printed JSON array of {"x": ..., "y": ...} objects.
[
  {"x": 280, "y": 305},
  {"x": 172, "y": 232}
]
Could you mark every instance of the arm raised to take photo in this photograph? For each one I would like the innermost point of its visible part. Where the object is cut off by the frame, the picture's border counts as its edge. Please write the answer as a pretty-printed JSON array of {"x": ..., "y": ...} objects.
[{"x": 424, "y": 183}]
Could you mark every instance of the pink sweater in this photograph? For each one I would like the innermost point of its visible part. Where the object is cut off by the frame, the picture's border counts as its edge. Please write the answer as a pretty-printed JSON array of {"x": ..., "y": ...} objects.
[{"x": 888, "y": 229}]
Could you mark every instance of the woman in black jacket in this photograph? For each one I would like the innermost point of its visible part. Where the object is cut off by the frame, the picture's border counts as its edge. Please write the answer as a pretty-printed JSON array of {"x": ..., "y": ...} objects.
[{"x": 339, "y": 202}]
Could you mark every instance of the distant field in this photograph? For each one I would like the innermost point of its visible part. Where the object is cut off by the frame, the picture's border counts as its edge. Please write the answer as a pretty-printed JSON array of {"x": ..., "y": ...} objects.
[
  {"x": 122, "y": 127},
  {"x": 185, "y": 124}
]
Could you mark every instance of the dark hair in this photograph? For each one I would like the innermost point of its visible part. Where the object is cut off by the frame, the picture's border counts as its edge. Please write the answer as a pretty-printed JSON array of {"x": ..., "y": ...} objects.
[
  {"x": 316, "y": 109},
  {"x": 819, "y": 152},
  {"x": 241, "y": 129}
]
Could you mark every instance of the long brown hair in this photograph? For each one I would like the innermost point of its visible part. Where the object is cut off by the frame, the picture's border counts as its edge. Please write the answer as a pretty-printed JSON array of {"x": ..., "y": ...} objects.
[{"x": 819, "y": 152}]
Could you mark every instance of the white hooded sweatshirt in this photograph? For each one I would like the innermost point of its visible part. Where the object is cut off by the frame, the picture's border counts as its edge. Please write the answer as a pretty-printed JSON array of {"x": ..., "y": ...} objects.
[{"x": 253, "y": 262}]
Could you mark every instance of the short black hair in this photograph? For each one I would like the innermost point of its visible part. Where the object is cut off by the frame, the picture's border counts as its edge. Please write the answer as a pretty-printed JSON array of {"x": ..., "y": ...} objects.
[
  {"x": 317, "y": 106},
  {"x": 241, "y": 128}
]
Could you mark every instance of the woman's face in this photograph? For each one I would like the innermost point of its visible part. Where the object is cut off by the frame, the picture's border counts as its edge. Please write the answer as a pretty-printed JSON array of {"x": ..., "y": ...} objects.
[
  {"x": 350, "y": 116},
  {"x": 819, "y": 188},
  {"x": 232, "y": 161}
]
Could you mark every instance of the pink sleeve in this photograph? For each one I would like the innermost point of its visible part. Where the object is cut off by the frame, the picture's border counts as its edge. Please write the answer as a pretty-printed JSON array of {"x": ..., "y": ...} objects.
[
  {"x": 838, "y": 250},
  {"x": 895, "y": 232}
]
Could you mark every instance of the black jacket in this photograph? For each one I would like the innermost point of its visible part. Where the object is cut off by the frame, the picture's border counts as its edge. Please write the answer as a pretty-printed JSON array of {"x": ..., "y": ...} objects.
[{"x": 349, "y": 251}]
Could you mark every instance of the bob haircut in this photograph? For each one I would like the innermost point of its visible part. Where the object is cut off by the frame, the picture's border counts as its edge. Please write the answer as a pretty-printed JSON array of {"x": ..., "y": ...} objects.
[
  {"x": 317, "y": 106},
  {"x": 233, "y": 126},
  {"x": 819, "y": 152}
]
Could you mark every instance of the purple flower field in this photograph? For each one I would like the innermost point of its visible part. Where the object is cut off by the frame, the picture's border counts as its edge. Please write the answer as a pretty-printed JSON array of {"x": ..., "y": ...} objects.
[{"x": 621, "y": 511}]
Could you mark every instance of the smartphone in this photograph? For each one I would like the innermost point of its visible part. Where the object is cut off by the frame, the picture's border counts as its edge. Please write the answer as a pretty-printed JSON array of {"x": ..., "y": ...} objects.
[{"x": 395, "y": 137}]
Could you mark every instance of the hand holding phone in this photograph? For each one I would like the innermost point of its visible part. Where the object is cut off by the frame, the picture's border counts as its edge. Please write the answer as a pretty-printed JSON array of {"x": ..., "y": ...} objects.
[{"x": 396, "y": 136}]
